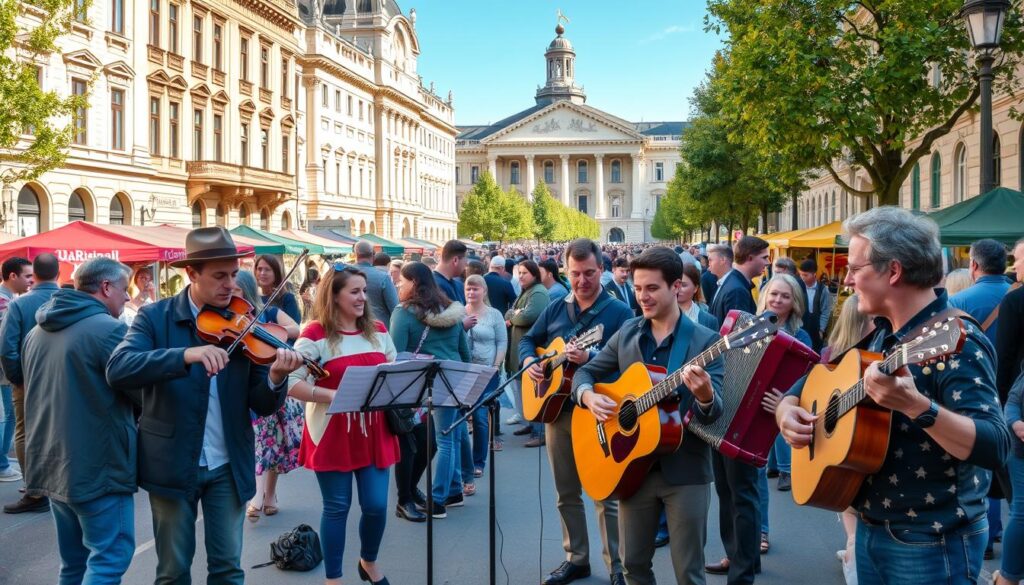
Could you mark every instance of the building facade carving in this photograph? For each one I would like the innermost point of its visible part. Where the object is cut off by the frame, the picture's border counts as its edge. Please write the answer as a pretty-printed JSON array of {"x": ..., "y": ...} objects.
[
  {"x": 260, "y": 112},
  {"x": 611, "y": 169}
]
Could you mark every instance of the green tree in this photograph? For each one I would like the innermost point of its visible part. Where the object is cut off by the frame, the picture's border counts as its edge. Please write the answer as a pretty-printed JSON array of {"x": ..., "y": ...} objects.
[
  {"x": 544, "y": 215},
  {"x": 490, "y": 213},
  {"x": 518, "y": 216},
  {"x": 44, "y": 114},
  {"x": 871, "y": 84}
]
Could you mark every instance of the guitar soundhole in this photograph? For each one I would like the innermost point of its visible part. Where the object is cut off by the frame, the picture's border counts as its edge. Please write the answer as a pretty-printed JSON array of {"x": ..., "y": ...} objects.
[
  {"x": 627, "y": 417},
  {"x": 832, "y": 414}
]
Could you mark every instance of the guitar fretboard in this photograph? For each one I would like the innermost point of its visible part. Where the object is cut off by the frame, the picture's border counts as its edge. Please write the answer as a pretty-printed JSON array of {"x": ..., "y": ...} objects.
[
  {"x": 856, "y": 393},
  {"x": 667, "y": 387}
]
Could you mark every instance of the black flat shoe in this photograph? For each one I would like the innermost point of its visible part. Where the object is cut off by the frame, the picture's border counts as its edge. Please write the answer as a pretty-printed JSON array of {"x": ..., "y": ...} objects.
[
  {"x": 409, "y": 512},
  {"x": 566, "y": 573},
  {"x": 366, "y": 576}
]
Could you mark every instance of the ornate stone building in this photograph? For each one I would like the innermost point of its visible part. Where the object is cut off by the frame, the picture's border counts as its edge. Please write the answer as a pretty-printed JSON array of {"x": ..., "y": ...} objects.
[
  {"x": 259, "y": 112},
  {"x": 614, "y": 170}
]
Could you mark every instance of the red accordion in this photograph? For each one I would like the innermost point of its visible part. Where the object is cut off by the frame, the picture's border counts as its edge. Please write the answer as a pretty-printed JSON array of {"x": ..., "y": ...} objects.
[{"x": 745, "y": 431}]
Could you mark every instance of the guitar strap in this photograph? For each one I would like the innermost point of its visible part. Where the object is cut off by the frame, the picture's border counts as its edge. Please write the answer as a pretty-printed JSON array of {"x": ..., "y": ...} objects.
[
  {"x": 592, "y": 314},
  {"x": 681, "y": 341}
]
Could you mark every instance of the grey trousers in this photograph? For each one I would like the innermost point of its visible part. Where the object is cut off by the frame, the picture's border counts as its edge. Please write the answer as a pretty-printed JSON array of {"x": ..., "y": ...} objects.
[
  {"x": 575, "y": 540},
  {"x": 686, "y": 507}
]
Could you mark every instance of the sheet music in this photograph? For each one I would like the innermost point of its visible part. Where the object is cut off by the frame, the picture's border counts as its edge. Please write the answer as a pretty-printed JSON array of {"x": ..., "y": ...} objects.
[{"x": 403, "y": 385}]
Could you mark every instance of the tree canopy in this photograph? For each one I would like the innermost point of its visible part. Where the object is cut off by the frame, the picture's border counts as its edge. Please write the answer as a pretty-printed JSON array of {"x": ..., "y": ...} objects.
[{"x": 490, "y": 213}]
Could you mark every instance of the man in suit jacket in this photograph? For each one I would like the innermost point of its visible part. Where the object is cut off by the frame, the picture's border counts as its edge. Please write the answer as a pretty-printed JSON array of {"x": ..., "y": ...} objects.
[
  {"x": 739, "y": 511},
  {"x": 719, "y": 264},
  {"x": 620, "y": 288},
  {"x": 1010, "y": 333},
  {"x": 196, "y": 440},
  {"x": 500, "y": 292},
  {"x": 680, "y": 482},
  {"x": 380, "y": 291}
]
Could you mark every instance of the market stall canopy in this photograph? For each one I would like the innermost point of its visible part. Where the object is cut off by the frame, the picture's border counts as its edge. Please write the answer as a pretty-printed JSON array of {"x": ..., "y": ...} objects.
[
  {"x": 471, "y": 244},
  {"x": 998, "y": 214},
  {"x": 79, "y": 241},
  {"x": 334, "y": 235},
  {"x": 387, "y": 246},
  {"x": 290, "y": 246},
  {"x": 331, "y": 247},
  {"x": 825, "y": 236},
  {"x": 174, "y": 236},
  {"x": 427, "y": 246},
  {"x": 410, "y": 246},
  {"x": 781, "y": 239}
]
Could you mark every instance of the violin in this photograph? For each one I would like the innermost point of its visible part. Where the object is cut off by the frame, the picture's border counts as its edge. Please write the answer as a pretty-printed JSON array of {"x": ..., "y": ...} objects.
[{"x": 235, "y": 325}]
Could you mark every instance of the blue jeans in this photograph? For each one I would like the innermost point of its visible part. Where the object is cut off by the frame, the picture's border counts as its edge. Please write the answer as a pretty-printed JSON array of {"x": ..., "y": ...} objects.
[
  {"x": 780, "y": 457},
  {"x": 95, "y": 539},
  {"x": 174, "y": 529},
  {"x": 480, "y": 428},
  {"x": 899, "y": 557},
  {"x": 6, "y": 426},
  {"x": 465, "y": 473},
  {"x": 995, "y": 519},
  {"x": 1013, "y": 534},
  {"x": 762, "y": 496},
  {"x": 336, "y": 490},
  {"x": 447, "y": 471}
]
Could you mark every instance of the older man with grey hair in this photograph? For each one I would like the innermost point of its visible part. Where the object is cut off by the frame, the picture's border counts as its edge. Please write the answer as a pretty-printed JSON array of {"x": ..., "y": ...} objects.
[
  {"x": 380, "y": 291},
  {"x": 79, "y": 432}
]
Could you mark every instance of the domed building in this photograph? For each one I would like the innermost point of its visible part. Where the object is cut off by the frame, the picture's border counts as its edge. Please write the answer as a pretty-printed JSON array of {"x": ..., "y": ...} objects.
[{"x": 614, "y": 170}]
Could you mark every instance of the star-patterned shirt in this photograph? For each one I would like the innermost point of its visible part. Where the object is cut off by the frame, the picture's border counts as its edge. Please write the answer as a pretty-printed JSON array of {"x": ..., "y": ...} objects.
[{"x": 920, "y": 486}]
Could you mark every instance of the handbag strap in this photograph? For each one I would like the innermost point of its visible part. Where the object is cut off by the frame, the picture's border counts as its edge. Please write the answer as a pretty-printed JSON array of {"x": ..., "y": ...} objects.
[
  {"x": 995, "y": 312},
  {"x": 426, "y": 330}
]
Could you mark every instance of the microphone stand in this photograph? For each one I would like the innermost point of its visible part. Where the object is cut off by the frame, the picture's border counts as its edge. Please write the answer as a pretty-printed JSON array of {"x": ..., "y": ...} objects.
[{"x": 491, "y": 402}]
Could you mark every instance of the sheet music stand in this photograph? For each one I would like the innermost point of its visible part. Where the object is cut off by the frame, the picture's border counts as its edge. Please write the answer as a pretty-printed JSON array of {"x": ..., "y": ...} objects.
[{"x": 412, "y": 384}]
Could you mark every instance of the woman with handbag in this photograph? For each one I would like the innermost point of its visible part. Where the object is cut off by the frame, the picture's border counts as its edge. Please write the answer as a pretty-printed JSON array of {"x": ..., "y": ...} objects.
[
  {"x": 343, "y": 447},
  {"x": 428, "y": 322},
  {"x": 488, "y": 341},
  {"x": 527, "y": 309}
]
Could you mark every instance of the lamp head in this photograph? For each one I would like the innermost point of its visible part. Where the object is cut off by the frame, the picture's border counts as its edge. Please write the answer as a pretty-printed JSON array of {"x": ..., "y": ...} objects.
[{"x": 984, "y": 20}]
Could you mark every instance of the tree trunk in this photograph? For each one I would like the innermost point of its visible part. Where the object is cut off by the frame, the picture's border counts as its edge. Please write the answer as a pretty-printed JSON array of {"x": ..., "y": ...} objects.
[{"x": 764, "y": 219}]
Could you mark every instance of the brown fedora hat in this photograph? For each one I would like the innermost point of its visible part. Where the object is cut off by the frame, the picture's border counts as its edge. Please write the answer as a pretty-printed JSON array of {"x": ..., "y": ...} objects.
[{"x": 208, "y": 244}]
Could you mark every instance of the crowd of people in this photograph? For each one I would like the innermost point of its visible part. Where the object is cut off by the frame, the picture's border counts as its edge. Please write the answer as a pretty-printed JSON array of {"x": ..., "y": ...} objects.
[{"x": 107, "y": 389}]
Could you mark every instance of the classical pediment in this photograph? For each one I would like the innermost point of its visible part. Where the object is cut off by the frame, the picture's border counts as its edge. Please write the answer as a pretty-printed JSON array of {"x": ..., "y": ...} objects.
[
  {"x": 565, "y": 122},
  {"x": 82, "y": 60}
]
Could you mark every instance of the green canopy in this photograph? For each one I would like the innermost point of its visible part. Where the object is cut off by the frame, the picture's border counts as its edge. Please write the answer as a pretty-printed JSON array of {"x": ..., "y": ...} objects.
[
  {"x": 426, "y": 245},
  {"x": 260, "y": 244},
  {"x": 998, "y": 214},
  {"x": 290, "y": 246},
  {"x": 387, "y": 246}
]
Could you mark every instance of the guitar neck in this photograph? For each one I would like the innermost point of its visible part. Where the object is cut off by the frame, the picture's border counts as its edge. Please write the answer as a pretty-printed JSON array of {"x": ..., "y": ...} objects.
[
  {"x": 858, "y": 392},
  {"x": 667, "y": 387}
]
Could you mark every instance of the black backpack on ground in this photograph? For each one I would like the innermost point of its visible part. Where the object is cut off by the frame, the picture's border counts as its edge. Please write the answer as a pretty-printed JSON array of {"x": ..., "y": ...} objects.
[{"x": 295, "y": 550}]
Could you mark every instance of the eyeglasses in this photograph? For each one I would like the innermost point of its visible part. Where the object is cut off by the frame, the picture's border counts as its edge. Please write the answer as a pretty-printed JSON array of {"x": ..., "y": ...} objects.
[{"x": 853, "y": 268}]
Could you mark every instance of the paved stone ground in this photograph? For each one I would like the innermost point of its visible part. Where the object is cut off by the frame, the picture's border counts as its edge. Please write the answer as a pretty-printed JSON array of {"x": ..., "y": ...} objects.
[{"x": 804, "y": 540}]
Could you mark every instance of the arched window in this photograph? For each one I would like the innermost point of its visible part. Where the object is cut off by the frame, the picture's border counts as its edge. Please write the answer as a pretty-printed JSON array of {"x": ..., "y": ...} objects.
[
  {"x": 243, "y": 214},
  {"x": 936, "y": 180},
  {"x": 616, "y": 171},
  {"x": 833, "y": 207},
  {"x": 197, "y": 215},
  {"x": 549, "y": 172},
  {"x": 581, "y": 172},
  {"x": 997, "y": 162},
  {"x": 116, "y": 211},
  {"x": 915, "y": 187},
  {"x": 362, "y": 227},
  {"x": 514, "y": 172},
  {"x": 265, "y": 220},
  {"x": 28, "y": 212},
  {"x": 76, "y": 208},
  {"x": 286, "y": 221},
  {"x": 372, "y": 227},
  {"x": 960, "y": 174}
]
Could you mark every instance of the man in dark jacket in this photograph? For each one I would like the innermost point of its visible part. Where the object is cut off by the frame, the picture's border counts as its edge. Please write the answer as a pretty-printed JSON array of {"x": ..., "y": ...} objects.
[
  {"x": 80, "y": 432},
  {"x": 380, "y": 291},
  {"x": 679, "y": 483},
  {"x": 19, "y": 320},
  {"x": 739, "y": 513},
  {"x": 196, "y": 440},
  {"x": 500, "y": 292}
]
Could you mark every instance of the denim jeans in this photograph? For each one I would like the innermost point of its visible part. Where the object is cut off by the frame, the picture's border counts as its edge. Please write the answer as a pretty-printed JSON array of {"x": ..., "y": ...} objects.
[
  {"x": 888, "y": 556},
  {"x": 174, "y": 530},
  {"x": 95, "y": 539},
  {"x": 480, "y": 427},
  {"x": 995, "y": 519},
  {"x": 1013, "y": 533},
  {"x": 762, "y": 496},
  {"x": 336, "y": 490},
  {"x": 465, "y": 473},
  {"x": 780, "y": 457},
  {"x": 447, "y": 472},
  {"x": 6, "y": 425}
]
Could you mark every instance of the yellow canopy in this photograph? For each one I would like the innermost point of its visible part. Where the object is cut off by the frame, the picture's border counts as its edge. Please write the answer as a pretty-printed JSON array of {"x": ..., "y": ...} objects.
[
  {"x": 819, "y": 237},
  {"x": 782, "y": 239}
]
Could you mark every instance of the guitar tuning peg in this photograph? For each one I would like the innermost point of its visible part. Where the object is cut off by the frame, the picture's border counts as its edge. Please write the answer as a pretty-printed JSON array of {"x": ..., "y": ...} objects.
[
  {"x": 940, "y": 366},
  {"x": 926, "y": 371}
]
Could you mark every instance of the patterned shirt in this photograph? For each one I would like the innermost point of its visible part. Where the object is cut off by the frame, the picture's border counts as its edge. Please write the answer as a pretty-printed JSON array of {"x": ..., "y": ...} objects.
[{"x": 920, "y": 486}]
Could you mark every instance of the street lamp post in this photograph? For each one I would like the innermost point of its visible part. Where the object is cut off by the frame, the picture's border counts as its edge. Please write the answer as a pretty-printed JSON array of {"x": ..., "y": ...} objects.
[{"x": 984, "y": 20}]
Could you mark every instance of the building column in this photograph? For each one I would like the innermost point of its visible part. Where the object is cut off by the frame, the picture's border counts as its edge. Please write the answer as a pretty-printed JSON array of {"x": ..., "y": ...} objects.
[
  {"x": 492, "y": 167},
  {"x": 565, "y": 180},
  {"x": 638, "y": 172},
  {"x": 530, "y": 179},
  {"x": 601, "y": 204}
]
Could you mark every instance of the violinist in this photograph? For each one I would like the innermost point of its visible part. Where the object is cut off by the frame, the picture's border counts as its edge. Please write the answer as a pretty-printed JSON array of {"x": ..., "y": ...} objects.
[{"x": 195, "y": 439}]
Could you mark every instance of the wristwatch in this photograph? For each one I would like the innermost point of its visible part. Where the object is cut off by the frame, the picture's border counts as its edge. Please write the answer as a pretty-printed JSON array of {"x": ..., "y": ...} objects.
[{"x": 927, "y": 418}]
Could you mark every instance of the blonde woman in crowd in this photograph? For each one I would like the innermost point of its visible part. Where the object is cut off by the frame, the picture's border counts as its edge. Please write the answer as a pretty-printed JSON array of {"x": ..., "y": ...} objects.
[{"x": 957, "y": 281}]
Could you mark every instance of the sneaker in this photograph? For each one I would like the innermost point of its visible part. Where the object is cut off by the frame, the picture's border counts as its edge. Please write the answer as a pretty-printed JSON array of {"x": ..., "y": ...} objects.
[
  {"x": 523, "y": 431},
  {"x": 28, "y": 504},
  {"x": 453, "y": 501},
  {"x": 785, "y": 482},
  {"x": 10, "y": 474},
  {"x": 440, "y": 511},
  {"x": 514, "y": 419}
]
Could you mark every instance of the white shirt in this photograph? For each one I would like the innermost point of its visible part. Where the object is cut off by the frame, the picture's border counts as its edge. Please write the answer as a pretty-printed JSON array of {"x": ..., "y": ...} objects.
[{"x": 215, "y": 448}]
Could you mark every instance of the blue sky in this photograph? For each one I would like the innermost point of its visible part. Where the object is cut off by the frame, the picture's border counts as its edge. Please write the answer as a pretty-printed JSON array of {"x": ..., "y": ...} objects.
[{"x": 638, "y": 63}]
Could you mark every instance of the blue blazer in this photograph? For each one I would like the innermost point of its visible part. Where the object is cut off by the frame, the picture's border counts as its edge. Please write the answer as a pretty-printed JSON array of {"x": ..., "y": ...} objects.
[
  {"x": 174, "y": 399},
  {"x": 733, "y": 293}
]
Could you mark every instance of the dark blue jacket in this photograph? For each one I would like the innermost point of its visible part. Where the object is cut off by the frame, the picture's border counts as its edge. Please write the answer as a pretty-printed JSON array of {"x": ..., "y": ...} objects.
[
  {"x": 733, "y": 293},
  {"x": 708, "y": 285},
  {"x": 175, "y": 396},
  {"x": 19, "y": 320},
  {"x": 500, "y": 293}
]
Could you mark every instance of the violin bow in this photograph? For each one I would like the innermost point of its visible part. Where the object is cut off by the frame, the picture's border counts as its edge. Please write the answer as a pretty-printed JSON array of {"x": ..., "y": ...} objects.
[{"x": 273, "y": 297}]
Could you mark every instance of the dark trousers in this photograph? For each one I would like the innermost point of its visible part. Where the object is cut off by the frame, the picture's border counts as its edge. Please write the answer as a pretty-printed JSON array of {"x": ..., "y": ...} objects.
[
  {"x": 739, "y": 517},
  {"x": 413, "y": 463}
]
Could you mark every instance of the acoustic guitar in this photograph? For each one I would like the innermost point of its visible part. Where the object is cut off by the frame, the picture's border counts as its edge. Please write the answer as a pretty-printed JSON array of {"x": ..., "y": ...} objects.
[
  {"x": 614, "y": 456},
  {"x": 851, "y": 437},
  {"x": 543, "y": 401}
]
